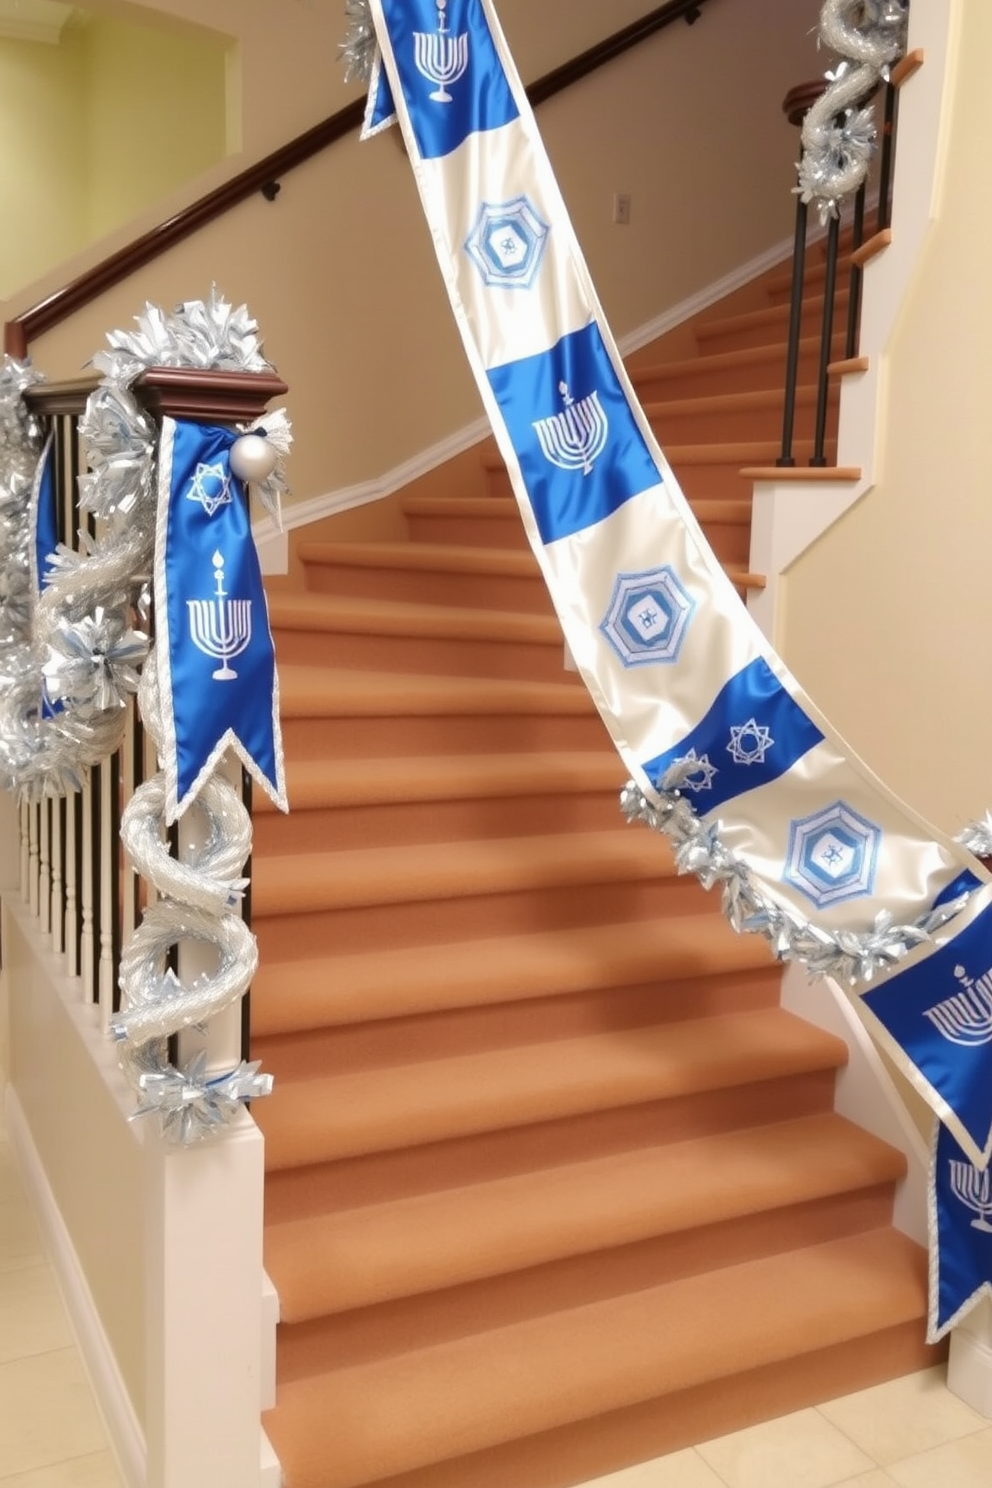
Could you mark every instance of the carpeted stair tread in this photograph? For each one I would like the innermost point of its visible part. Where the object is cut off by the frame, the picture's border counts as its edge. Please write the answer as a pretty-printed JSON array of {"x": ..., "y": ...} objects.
[
  {"x": 347, "y": 615},
  {"x": 384, "y": 982},
  {"x": 363, "y": 1256},
  {"x": 434, "y": 557},
  {"x": 356, "y": 1425},
  {"x": 313, "y": 784},
  {"x": 329, "y": 1117},
  {"x": 759, "y": 399},
  {"x": 745, "y": 359},
  {"x": 313, "y": 691},
  {"x": 307, "y": 882},
  {"x": 773, "y": 318}
]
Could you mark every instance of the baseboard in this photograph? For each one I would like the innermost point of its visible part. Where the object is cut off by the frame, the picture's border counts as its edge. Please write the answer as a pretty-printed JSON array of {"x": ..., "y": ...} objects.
[
  {"x": 969, "y": 1365},
  {"x": 123, "y": 1428},
  {"x": 273, "y": 545}
]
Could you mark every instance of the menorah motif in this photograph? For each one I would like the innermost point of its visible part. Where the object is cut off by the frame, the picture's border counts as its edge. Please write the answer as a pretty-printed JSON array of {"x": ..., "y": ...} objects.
[
  {"x": 574, "y": 438},
  {"x": 966, "y": 1018},
  {"x": 440, "y": 57},
  {"x": 974, "y": 1190},
  {"x": 220, "y": 627}
]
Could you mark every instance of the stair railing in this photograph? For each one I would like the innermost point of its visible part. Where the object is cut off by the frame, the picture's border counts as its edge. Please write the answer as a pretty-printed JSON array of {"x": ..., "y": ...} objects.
[
  {"x": 878, "y": 187},
  {"x": 73, "y": 874}
]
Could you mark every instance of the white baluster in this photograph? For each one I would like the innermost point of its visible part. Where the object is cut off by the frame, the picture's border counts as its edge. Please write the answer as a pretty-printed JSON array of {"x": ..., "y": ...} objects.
[
  {"x": 86, "y": 896},
  {"x": 25, "y": 821},
  {"x": 33, "y": 851},
  {"x": 71, "y": 888},
  {"x": 56, "y": 913},
  {"x": 45, "y": 865},
  {"x": 109, "y": 848}
]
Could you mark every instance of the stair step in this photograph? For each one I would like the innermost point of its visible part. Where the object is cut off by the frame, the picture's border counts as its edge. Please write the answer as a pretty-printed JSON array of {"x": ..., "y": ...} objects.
[
  {"x": 751, "y": 368},
  {"x": 766, "y": 326},
  {"x": 492, "y": 578},
  {"x": 719, "y": 418},
  {"x": 457, "y": 1398},
  {"x": 433, "y": 1241},
  {"x": 328, "y": 712},
  {"x": 368, "y": 633},
  {"x": 382, "y": 982},
  {"x": 307, "y": 903},
  {"x": 327, "y": 1118},
  {"x": 393, "y": 802}
]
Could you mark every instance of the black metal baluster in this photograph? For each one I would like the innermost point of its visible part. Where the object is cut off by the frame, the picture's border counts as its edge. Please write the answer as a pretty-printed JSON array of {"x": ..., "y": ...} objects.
[
  {"x": 787, "y": 458},
  {"x": 887, "y": 157},
  {"x": 823, "y": 375},
  {"x": 857, "y": 273}
]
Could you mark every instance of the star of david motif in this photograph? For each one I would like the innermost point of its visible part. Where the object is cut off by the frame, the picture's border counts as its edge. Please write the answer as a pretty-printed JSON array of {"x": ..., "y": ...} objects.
[
  {"x": 701, "y": 779},
  {"x": 749, "y": 743},
  {"x": 210, "y": 486},
  {"x": 507, "y": 243},
  {"x": 648, "y": 617},
  {"x": 832, "y": 855}
]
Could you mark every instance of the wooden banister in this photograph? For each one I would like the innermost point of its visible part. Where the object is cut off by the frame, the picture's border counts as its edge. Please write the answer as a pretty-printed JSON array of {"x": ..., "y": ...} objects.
[
  {"x": 265, "y": 174},
  {"x": 179, "y": 392}
]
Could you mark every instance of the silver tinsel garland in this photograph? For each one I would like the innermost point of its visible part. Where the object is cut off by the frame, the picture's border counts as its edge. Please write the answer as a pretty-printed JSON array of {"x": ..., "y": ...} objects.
[
  {"x": 838, "y": 137},
  {"x": 81, "y": 646},
  {"x": 850, "y": 957},
  {"x": 360, "y": 47}
]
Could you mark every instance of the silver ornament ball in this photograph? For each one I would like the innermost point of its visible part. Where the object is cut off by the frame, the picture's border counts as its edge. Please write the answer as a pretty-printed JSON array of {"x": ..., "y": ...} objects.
[{"x": 253, "y": 458}]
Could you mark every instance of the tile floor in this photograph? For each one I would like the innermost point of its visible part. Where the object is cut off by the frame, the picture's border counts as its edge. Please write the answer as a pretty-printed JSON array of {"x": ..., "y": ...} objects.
[{"x": 912, "y": 1432}]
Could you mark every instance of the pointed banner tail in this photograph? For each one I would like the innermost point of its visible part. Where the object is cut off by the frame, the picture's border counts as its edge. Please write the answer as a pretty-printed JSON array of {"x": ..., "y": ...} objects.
[
  {"x": 214, "y": 648},
  {"x": 960, "y": 1234}
]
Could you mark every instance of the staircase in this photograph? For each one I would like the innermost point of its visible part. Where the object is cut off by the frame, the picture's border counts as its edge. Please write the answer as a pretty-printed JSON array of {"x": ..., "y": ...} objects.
[{"x": 553, "y": 1183}]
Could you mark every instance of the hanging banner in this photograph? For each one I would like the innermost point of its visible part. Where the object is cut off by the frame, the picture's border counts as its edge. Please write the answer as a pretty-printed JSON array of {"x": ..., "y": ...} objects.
[
  {"x": 44, "y": 523},
  {"x": 961, "y": 1234},
  {"x": 216, "y": 660},
  {"x": 686, "y": 684}
]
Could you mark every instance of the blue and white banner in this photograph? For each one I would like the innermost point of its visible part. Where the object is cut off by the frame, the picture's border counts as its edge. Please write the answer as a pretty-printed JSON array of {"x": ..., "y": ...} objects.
[
  {"x": 44, "y": 517},
  {"x": 677, "y": 668},
  {"x": 213, "y": 645},
  {"x": 961, "y": 1233}
]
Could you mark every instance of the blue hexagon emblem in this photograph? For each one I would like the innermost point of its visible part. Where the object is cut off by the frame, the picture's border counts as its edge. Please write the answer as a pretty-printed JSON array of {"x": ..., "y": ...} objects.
[
  {"x": 648, "y": 617},
  {"x": 832, "y": 855},
  {"x": 507, "y": 243}
]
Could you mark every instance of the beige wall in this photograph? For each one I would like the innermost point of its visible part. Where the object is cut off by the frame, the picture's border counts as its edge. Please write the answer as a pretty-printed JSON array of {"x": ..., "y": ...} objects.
[
  {"x": 887, "y": 618},
  {"x": 340, "y": 270},
  {"x": 99, "y": 127},
  {"x": 42, "y": 157}
]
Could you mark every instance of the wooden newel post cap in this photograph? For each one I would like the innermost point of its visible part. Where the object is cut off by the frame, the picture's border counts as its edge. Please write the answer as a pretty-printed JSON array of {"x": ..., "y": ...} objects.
[
  {"x": 218, "y": 397},
  {"x": 799, "y": 100}
]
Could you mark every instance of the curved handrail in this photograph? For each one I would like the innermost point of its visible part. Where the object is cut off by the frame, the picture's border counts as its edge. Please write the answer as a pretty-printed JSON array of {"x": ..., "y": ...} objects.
[{"x": 58, "y": 306}]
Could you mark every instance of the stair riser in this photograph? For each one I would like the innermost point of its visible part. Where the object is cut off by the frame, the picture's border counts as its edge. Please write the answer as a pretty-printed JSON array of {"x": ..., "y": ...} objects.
[
  {"x": 398, "y": 824},
  {"x": 296, "y": 1193},
  {"x": 488, "y": 532},
  {"x": 371, "y": 737},
  {"x": 705, "y": 426},
  {"x": 469, "y": 1030},
  {"x": 700, "y": 380},
  {"x": 814, "y": 279},
  {"x": 742, "y": 335},
  {"x": 284, "y": 937},
  {"x": 423, "y": 586},
  {"x": 434, "y": 656},
  {"x": 603, "y": 1444},
  {"x": 359, "y": 1328}
]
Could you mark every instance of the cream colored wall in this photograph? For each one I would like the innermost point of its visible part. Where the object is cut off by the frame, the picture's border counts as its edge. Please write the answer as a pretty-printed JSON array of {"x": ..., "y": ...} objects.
[
  {"x": 155, "y": 115},
  {"x": 42, "y": 157},
  {"x": 887, "y": 619},
  {"x": 92, "y": 1158},
  {"x": 340, "y": 270}
]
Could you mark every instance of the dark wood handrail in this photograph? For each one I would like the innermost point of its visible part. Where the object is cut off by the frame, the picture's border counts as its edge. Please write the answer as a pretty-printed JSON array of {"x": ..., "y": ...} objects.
[
  {"x": 180, "y": 392},
  {"x": 58, "y": 306}
]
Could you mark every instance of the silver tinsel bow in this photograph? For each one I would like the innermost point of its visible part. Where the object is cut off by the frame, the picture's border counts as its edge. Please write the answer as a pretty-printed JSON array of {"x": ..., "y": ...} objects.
[
  {"x": 851, "y": 957},
  {"x": 838, "y": 137},
  {"x": 359, "y": 48}
]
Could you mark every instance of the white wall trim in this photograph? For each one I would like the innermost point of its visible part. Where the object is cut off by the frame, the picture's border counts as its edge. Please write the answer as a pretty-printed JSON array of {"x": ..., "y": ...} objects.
[
  {"x": 273, "y": 545},
  {"x": 865, "y": 1091},
  {"x": 127, "y": 1439}
]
